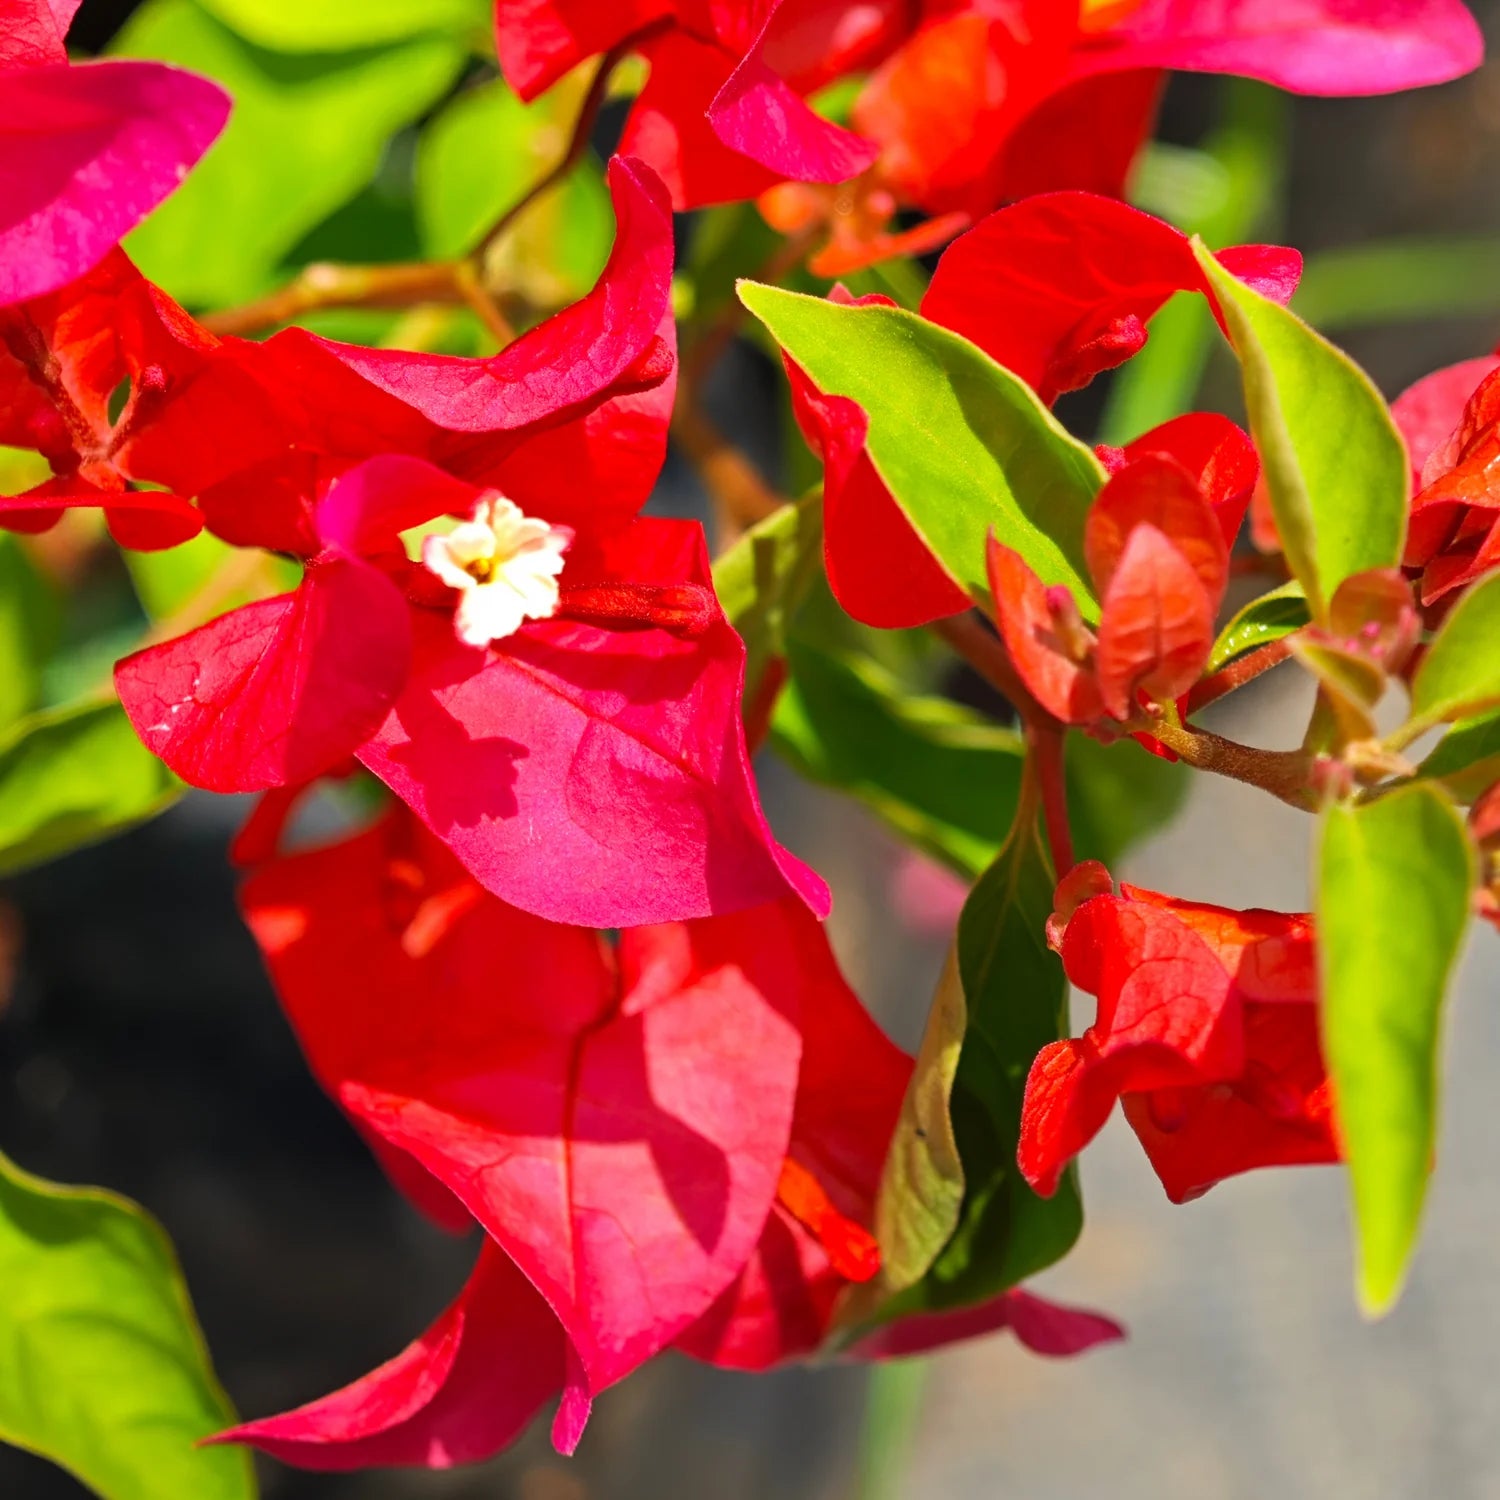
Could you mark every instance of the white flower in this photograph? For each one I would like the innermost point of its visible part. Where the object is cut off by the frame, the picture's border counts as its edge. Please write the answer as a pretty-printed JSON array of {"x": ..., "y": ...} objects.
[{"x": 505, "y": 565}]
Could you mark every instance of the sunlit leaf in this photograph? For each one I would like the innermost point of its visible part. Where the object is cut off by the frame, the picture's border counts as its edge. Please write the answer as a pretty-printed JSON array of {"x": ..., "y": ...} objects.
[
  {"x": 1261, "y": 621},
  {"x": 72, "y": 776},
  {"x": 306, "y": 133},
  {"x": 1392, "y": 892},
  {"x": 962, "y": 444},
  {"x": 102, "y": 1366},
  {"x": 1460, "y": 674},
  {"x": 1335, "y": 467}
]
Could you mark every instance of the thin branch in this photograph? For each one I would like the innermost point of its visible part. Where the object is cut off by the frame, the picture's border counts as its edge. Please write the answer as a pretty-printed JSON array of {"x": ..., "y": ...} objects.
[
  {"x": 583, "y": 129},
  {"x": 988, "y": 656},
  {"x": 734, "y": 484},
  {"x": 1286, "y": 774},
  {"x": 1047, "y": 746},
  {"x": 325, "y": 285},
  {"x": 1245, "y": 669}
]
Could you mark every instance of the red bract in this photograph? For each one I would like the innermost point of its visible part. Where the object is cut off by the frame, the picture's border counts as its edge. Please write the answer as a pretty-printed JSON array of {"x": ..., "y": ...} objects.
[
  {"x": 1453, "y": 435},
  {"x": 1057, "y": 289},
  {"x": 966, "y": 106},
  {"x": 1157, "y": 556},
  {"x": 567, "y": 717},
  {"x": 86, "y": 152},
  {"x": 814, "y": 1245},
  {"x": 62, "y": 357},
  {"x": 642, "y": 1132},
  {"x": 1060, "y": 288},
  {"x": 979, "y": 106},
  {"x": 616, "y": 1121},
  {"x": 1207, "y": 1029},
  {"x": 722, "y": 116}
]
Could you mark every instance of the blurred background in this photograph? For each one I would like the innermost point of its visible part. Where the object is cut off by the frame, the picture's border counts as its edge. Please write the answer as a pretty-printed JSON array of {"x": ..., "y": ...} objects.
[{"x": 141, "y": 1048}]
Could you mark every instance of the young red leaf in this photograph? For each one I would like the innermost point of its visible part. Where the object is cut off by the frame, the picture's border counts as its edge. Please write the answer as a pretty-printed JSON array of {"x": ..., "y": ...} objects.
[{"x": 1156, "y": 626}]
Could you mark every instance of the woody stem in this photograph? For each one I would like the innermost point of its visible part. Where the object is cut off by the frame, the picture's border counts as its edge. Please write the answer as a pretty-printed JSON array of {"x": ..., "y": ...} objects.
[
  {"x": 1246, "y": 669},
  {"x": 1283, "y": 773}
]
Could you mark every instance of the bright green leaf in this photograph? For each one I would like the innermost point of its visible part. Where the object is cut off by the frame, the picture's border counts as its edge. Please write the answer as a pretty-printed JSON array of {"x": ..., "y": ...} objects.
[
  {"x": 307, "y": 132},
  {"x": 72, "y": 776},
  {"x": 1392, "y": 888},
  {"x": 1467, "y": 759},
  {"x": 1460, "y": 674},
  {"x": 30, "y": 616},
  {"x": 1336, "y": 469},
  {"x": 481, "y": 155},
  {"x": 338, "y": 25},
  {"x": 962, "y": 444},
  {"x": 1261, "y": 621},
  {"x": 764, "y": 576},
  {"x": 103, "y": 1369}
]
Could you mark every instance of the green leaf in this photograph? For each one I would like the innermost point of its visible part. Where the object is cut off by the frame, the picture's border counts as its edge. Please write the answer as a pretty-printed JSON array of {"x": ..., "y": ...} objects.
[
  {"x": 1015, "y": 996},
  {"x": 1335, "y": 467},
  {"x": 764, "y": 576},
  {"x": 1393, "y": 881},
  {"x": 962, "y": 444},
  {"x": 103, "y": 1369},
  {"x": 481, "y": 155},
  {"x": 1460, "y": 674},
  {"x": 72, "y": 776},
  {"x": 943, "y": 777},
  {"x": 1262, "y": 620},
  {"x": 337, "y": 26},
  {"x": 1467, "y": 759},
  {"x": 307, "y": 132},
  {"x": 30, "y": 617}
]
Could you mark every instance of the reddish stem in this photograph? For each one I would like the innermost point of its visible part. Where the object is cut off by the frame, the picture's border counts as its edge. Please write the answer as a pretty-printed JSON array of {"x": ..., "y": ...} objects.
[
  {"x": 1245, "y": 669},
  {"x": 1047, "y": 745}
]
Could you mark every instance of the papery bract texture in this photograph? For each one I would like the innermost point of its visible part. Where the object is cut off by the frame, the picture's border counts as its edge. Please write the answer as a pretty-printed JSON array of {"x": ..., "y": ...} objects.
[
  {"x": 87, "y": 151},
  {"x": 1207, "y": 1029}
]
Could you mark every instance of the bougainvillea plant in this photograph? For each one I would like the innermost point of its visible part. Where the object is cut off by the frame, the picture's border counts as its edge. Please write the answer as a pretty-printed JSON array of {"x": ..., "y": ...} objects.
[{"x": 369, "y": 406}]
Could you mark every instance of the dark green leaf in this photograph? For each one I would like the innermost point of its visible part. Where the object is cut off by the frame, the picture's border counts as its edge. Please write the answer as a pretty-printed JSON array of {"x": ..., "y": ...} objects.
[
  {"x": 72, "y": 776},
  {"x": 102, "y": 1366},
  {"x": 1335, "y": 467},
  {"x": 1015, "y": 995},
  {"x": 943, "y": 777},
  {"x": 1393, "y": 884},
  {"x": 306, "y": 134},
  {"x": 962, "y": 444},
  {"x": 1262, "y": 620}
]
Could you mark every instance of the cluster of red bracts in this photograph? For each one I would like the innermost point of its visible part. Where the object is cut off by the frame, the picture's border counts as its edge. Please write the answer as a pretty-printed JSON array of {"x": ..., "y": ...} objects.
[
  {"x": 1207, "y": 1033},
  {"x": 656, "y": 1131}
]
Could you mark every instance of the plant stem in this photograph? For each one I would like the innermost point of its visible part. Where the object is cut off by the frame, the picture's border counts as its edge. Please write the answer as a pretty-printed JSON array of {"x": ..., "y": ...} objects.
[
  {"x": 326, "y": 285},
  {"x": 1245, "y": 669},
  {"x": 985, "y": 653},
  {"x": 1283, "y": 773},
  {"x": 578, "y": 143},
  {"x": 739, "y": 493},
  {"x": 1047, "y": 743}
]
